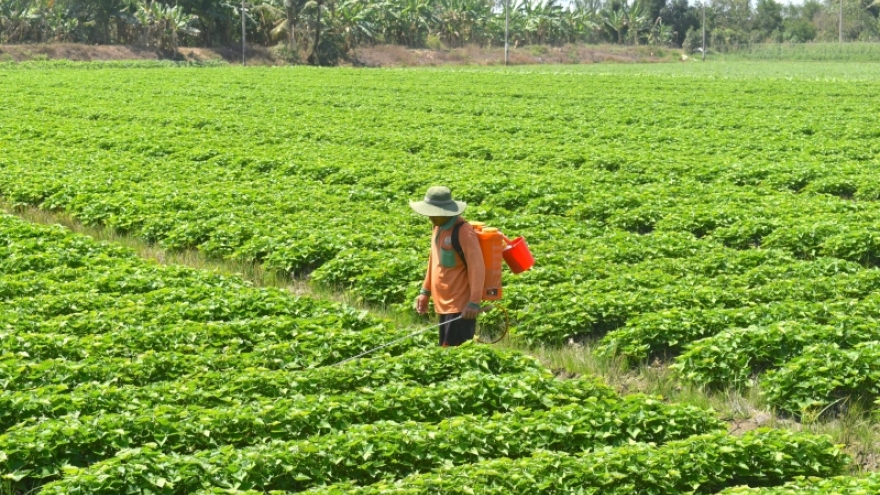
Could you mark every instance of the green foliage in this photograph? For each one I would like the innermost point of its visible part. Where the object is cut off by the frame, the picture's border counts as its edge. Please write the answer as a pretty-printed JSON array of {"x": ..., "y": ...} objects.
[
  {"x": 388, "y": 450},
  {"x": 229, "y": 387},
  {"x": 121, "y": 375},
  {"x": 645, "y": 238},
  {"x": 838, "y": 485},
  {"x": 807, "y": 52},
  {"x": 76, "y": 440},
  {"x": 727, "y": 225},
  {"x": 734, "y": 357},
  {"x": 701, "y": 464},
  {"x": 825, "y": 374}
]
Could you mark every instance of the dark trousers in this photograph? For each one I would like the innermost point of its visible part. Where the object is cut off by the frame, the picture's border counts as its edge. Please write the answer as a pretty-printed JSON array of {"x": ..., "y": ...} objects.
[{"x": 454, "y": 333}]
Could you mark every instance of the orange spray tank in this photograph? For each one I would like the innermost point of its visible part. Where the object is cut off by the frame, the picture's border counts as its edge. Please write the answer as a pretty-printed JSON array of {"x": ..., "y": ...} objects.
[
  {"x": 496, "y": 247},
  {"x": 492, "y": 243}
]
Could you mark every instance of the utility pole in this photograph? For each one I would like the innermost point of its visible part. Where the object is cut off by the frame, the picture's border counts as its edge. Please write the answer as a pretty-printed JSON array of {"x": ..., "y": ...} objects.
[
  {"x": 704, "y": 30},
  {"x": 507, "y": 28},
  {"x": 243, "y": 59},
  {"x": 840, "y": 21}
]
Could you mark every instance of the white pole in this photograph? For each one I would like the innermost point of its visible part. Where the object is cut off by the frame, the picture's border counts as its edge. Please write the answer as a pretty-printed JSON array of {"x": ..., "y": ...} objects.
[
  {"x": 506, "y": 28},
  {"x": 243, "y": 59},
  {"x": 840, "y": 22},
  {"x": 704, "y": 30}
]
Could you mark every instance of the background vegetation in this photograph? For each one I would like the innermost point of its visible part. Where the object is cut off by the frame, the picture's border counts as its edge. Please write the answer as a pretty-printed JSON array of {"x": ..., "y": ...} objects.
[{"x": 322, "y": 31}]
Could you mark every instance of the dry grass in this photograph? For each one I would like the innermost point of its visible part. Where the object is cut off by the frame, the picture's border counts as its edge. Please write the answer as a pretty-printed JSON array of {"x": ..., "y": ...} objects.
[
  {"x": 399, "y": 56},
  {"x": 743, "y": 410}
]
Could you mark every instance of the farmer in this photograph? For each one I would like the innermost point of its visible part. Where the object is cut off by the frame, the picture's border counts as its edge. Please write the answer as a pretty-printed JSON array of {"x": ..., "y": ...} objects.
[{"x": 456, "y": 285}]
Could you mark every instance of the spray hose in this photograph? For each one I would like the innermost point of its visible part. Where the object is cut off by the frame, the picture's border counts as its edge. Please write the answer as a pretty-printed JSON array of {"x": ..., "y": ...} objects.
[
  {"x": 494, "y": 338},
  {"x": 401, "y": 339}
]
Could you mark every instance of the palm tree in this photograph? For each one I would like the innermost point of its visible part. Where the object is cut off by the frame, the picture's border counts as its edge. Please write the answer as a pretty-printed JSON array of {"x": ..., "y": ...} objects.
[
  {"x": 292, "y": 9},
  {"x": 267, "y": 16},
  {"x": 317, "y": 7}
]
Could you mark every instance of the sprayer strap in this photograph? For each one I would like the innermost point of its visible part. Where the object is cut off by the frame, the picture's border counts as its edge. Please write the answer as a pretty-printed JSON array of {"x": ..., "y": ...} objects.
[{"x": 456, "y": 243}]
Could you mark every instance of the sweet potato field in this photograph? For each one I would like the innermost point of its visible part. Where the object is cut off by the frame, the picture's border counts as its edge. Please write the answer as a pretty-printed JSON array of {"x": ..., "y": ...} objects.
[
  {"x": 723, "y": 219},
  {"x": 124, "y": 376}
]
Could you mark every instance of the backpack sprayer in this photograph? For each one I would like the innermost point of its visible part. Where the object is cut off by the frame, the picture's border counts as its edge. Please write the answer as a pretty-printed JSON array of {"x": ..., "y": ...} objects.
[{"x": 495, "y": 248}]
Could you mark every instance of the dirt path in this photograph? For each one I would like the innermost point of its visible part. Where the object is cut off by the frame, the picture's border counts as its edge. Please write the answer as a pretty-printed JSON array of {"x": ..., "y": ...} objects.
[
  {"x": 89, "y": 53},
  {"x": 374, "y": 56}
]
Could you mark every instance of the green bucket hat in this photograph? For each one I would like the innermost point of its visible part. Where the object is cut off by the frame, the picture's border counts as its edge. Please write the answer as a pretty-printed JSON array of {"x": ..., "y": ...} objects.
[{"x": 438, "y": 203}]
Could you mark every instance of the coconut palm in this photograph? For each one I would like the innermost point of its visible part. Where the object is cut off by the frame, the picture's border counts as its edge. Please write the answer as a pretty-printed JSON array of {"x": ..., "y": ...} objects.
[
  {"x": 266, "y": 18},
  {"x": 316, "y": 8},
  {"x": 290, "y": 23}
]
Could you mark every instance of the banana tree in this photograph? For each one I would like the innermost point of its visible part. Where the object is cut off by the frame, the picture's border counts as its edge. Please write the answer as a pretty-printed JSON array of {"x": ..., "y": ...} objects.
[
  {"x": 356, "y": 22},
  {"x": 61, "y": 25},
  {"x": 15, "y": 20},
  {"x": 660, "y": 33},
  {"x": 462, "y": 21},
  {"x": 582, "y": 24},
  {"x": 406, "y": 22},
  {"x": 519, "y": 17},
  {"x": 616, "y": 20},
  {"x": 637, "y": 20},
  {"x": 161, "y": 25},
  {"x": 105, "y": 13},
  {"x": 545, "y": 21}
]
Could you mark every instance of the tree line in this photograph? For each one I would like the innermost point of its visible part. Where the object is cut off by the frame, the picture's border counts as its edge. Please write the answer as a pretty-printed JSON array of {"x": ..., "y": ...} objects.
[{"x": 325, "y": 29}]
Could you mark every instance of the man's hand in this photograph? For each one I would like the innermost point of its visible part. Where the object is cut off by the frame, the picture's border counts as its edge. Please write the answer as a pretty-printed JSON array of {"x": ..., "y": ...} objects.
[
  {"x": 471, "y": 311},
  {"x": 422, "y": 304}
]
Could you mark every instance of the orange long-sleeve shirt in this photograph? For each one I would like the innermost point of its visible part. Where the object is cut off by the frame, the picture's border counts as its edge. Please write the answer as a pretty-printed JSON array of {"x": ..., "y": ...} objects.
[{"x": 452, "y": 285}]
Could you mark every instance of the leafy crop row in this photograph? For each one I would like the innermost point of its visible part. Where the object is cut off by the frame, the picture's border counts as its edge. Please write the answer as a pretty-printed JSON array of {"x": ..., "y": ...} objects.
[
  {"x": 735, "y": 355},
  {"x": 226, "y": 392},
  {"x": 229, "y": 387},
  {"x": 18, "y": 371},
  {"x": 625, "y": 237},
  {"x": 102, "y": 417},
  {"x": 41, "y": 448},
  {"x": 838, "y": 485},
  {"x": 825, "y": 373},
  {"x": 658, "y": 219},
  {"x": 389, "y": 450},
  {"x": 700, "y": 464}
]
